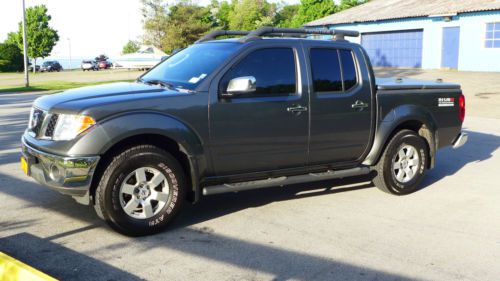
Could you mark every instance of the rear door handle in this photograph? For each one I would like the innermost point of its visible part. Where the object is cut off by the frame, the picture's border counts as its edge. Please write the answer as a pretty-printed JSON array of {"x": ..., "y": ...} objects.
[
  {"x": 296, "y": 109},
  {"x": 359, "y": 105}
]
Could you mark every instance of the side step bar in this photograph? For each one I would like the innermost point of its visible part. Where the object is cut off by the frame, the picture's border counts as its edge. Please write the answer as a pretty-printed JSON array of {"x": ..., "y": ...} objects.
[{"x": 279, "y": 181}]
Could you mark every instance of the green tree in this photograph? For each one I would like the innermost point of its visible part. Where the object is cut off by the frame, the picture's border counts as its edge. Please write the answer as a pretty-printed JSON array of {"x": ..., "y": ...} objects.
[
  {"x": 185, "y": 23},
  {"x": 219, "y": 13},
  {"x": 11, "y": 57},
  {"x": 252, "y": 14},
  {"x": 12, "y": 38},
  {"x": 310, "y": 10},
  {"x": 284, "y": 16},
  {"x": 131, "y": 47},
  {"x": 346, "y": 4},
  {"x": 155, "y": 15},
  {"x": 41, "y": 38}
]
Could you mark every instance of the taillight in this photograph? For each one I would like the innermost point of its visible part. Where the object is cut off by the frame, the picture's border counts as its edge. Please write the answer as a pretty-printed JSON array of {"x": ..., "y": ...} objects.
[{"x": 461, "y": 108}]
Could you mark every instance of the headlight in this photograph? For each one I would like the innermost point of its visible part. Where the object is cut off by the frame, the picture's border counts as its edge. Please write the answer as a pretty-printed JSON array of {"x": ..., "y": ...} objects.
[{"x": 69, "y": 126}]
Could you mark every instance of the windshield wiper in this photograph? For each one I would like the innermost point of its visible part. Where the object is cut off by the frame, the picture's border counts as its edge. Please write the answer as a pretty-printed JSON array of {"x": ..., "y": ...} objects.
[{"x": 158, "y": 82}]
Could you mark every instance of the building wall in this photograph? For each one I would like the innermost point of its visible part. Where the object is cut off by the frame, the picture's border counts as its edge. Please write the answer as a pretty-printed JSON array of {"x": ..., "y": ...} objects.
[{"x": 473, "y": 56}]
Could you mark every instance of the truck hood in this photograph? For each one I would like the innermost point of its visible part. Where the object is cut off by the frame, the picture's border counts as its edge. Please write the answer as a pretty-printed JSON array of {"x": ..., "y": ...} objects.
[
  {"x": 77, "y": 100},
  {"x": 412, "y": 84}
]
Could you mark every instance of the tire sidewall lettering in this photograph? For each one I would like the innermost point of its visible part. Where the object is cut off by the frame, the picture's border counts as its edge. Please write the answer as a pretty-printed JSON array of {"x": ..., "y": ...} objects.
[{"x": 116, "y": 212}]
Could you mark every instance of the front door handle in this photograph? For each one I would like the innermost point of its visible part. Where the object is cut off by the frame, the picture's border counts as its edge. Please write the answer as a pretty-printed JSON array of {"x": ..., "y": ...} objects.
[
  {"x": 296, "y": 109},
  {"x": 359, "y": 105}
]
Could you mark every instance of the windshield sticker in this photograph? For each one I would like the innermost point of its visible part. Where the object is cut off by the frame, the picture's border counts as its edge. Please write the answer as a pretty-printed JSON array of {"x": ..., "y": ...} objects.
[
  {"x": 195, "y": 80},
  {"x": 445, "y": 102}
]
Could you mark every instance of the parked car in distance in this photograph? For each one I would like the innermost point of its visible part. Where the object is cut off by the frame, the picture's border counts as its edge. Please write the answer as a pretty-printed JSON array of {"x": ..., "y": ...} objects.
[
  {"x": 105, "y": 64},
  {"x": 50, "y": 66},
  {"x": 237, "y": 114},
  {"x": 89, "y": 65},
  {"x": 30, "y": 67}
]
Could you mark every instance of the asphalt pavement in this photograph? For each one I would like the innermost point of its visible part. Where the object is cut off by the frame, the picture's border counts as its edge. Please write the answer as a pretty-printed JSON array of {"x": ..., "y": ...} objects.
[{"x": 336, "y": 230}]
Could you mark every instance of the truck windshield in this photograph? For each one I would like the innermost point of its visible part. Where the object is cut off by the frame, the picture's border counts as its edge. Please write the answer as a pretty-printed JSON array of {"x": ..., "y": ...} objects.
[{"x": 187, "y": 68}]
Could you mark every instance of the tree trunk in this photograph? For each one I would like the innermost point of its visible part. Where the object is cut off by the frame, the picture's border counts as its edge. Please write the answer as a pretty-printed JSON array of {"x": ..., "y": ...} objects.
[{"x": 34, "y": 65}]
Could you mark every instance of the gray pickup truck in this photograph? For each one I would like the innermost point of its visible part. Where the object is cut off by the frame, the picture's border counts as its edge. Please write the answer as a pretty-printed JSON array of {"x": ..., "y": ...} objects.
[{"x": 271, "y": 107}]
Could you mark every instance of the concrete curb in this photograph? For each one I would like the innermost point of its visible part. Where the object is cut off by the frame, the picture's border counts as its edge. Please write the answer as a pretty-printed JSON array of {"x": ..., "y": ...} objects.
[{"x": 12, "y": 269}]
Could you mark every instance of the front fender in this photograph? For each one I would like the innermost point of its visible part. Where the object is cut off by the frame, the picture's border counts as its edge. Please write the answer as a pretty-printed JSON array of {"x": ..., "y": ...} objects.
[
  {"x": 393, "y": 121},
  {"x": 112, "y": 130}
]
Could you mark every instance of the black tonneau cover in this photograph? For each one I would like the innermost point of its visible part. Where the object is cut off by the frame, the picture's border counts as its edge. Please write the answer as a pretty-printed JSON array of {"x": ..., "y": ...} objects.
[{"x": 412, "y": 84}]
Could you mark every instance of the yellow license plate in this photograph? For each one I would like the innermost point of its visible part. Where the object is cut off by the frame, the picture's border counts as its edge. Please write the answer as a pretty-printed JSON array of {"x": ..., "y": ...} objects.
[{"x": 24, "y": 165}]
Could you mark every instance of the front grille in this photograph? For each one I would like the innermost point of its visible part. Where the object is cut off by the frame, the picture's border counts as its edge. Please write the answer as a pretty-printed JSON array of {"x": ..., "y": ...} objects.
[
  {"x": 36, "y": 120},
  {"x": 49, "y": 131}
]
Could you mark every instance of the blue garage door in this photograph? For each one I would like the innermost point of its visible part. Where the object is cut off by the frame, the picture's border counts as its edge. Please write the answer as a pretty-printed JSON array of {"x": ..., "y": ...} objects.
[{"x": 395, "y": 48}]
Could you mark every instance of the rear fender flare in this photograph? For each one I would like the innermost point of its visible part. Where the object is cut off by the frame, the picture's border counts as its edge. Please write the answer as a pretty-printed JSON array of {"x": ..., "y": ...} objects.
[{"x": 393, "y": 121}]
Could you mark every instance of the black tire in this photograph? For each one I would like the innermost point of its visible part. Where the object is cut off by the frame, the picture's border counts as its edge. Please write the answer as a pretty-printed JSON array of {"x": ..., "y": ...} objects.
[
  {"x": 109, "y": 199},
  {"x": 386, "y": 178}
]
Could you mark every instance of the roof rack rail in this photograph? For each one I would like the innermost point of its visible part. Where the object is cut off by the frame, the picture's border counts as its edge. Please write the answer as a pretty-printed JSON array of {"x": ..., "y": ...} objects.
[
  {"x": 278, "y": 32},
  {"x": 214, "y": 34},
  {"x": 337, "y": 33}
]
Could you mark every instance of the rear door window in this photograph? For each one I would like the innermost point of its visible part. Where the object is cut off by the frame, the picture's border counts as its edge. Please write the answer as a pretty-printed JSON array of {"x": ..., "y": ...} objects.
[
  {"x": 348, "y": 69},
  {"x": 333, "y": 70},
  {"x": 326, "y": 73}
]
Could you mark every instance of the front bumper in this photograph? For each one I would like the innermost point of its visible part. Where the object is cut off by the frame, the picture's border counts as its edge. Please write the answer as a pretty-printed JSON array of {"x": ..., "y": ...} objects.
[
  {"x": 460, "y": 140},
  {"x": 67, "y": 175}
]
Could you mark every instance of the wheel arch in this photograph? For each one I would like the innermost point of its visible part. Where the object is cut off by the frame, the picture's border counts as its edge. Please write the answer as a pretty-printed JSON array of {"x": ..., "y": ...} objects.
[
  {"x": 116, "y": 134},
  {"x": 412, "y": 118}
]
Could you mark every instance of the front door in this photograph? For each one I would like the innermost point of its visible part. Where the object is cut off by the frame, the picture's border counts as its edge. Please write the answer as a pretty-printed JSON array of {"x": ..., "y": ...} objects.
[
  {"x": 341, "y": 105},
  {"x": 450, "y": 47},
  {"x": 266, "y": 129}
]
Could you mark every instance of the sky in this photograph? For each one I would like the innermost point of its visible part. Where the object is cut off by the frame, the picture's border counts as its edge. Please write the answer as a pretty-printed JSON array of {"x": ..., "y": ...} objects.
[{"x": 86, "y": 27}]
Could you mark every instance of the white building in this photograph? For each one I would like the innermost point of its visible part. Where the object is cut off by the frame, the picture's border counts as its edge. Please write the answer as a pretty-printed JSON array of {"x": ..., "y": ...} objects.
[{"x": 429, "y": 34}]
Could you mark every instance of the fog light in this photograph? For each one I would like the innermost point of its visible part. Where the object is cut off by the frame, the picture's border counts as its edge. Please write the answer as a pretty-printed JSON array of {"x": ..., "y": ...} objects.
[{"x": 54, "y": 173}]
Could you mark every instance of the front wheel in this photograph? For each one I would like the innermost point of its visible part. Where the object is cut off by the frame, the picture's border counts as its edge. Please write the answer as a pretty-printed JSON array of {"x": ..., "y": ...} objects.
[
  {"x": 402, "y": 167},
  {"x": 141, "y": 191}
]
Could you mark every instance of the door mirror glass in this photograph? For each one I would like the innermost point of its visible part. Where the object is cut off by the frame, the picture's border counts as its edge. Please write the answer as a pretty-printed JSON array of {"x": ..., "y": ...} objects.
[{"x": 241, "y": 85}]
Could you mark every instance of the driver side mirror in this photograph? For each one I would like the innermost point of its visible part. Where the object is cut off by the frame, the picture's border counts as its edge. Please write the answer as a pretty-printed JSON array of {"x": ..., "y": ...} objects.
[{"x": 240, "y": 85}]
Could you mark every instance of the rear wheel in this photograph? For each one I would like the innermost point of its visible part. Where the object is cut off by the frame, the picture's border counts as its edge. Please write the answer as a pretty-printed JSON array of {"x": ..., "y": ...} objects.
[
  {"x": 402, "y": 167},
  {"x": 141, "y": 191}
]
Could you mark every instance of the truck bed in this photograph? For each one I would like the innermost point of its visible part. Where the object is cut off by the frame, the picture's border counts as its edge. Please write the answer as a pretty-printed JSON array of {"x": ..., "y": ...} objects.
[
  {"x": 435, "y": 100},
  {"x": 412, "y": 84}
]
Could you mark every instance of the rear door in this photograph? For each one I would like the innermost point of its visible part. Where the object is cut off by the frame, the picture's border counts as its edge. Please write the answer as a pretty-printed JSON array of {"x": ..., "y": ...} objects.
[
  {"x": 261, "y": 131},
  {"x": 341, "y": 104}
]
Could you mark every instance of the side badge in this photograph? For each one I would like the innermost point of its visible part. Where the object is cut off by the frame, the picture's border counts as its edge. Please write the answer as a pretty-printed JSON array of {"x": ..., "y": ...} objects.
[{"x": 446, "y": 102}]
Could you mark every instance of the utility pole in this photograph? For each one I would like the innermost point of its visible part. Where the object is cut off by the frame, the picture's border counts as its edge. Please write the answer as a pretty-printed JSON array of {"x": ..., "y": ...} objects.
[
  {"x": 69, "y": 42},
  {"x": 25, "y": 50}
]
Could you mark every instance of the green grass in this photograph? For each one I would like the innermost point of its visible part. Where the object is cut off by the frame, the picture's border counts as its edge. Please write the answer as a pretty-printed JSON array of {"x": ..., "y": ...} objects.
[{"x": 54, "y": 86}]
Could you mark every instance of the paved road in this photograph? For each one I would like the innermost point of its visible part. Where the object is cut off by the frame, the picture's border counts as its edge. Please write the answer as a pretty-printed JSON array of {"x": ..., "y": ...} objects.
[{"x": 338, "y": 230}]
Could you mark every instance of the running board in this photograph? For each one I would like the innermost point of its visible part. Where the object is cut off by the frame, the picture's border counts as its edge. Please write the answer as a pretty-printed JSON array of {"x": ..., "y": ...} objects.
[{"x": 280, "y": 181}]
